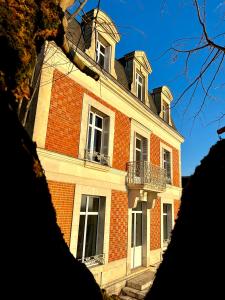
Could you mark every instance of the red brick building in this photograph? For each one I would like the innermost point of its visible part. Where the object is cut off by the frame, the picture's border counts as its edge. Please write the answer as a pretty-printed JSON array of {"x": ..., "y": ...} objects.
[{"x": 110, "y": 151}]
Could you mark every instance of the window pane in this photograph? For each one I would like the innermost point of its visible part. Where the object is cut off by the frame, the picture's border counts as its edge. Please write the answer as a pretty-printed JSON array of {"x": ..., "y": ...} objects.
[
  {"x": 138, "y": 207},
  {"x": 102, "y": 49},
  {"x": 93, "y": 204},
  {"x": 97, "y": 141},
  {"x": 138, "y": 155},
  {"x": 98, "y": 121},
  {"x": 138, "y": 143},
  {"x": 89, "y": 137},
  {"x": 91, "y": 118},
  {"x": 80, "y": 237},
  {"x": 138, "y": 229},
  {"x": 91, "y": 235},
  {"x": 83, "y": 204},
  {"x": 165, "y": 227},
  {"x": 140, "y": 92},
  {"x": 132, "y": 233},
  {"x": 101, "y": 60}
]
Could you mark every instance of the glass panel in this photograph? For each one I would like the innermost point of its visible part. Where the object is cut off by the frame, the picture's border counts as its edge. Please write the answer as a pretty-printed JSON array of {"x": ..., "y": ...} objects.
[
  {"x": 97, "y": 141},
  {"x": 132, "y": 232},
  {"x": 93, "y": 204},
  {"x": 165, "y": 227},
  {"x": 140, "y": 92},
  {"x": 89, "y": 138},
  {"x": 102, "y": 49},
  {"x": 138, "y": 143},
  {"x": 98, "y": 121},
  {"x": 101, "y": 60},
  {"x": 91, "y": 235},
  {"x": 83, "y": 203},
  {"x": 138, "y": 229},
  {"x": 91, "y": 118},
  {"x": 138, "y": 155},
  {"x": 80, "y": 237}
]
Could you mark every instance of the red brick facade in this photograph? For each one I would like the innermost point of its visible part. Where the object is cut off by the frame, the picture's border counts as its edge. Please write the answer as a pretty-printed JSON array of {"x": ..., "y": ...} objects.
[
  {"x": 176, "y": 208},
  {"x": 63, "y": 198},
  {"x": 155, "y": 157},
  {"x": 155, "y": 226},
  {"x": 118, "y": 226},
  {"x": 63, "y": 132}
]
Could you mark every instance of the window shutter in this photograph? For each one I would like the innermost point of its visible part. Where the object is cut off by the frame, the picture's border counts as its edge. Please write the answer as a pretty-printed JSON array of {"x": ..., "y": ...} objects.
[
  {"x": 134, "y": 143},
  {"x": 107, "y": 58},
  {"x": 145, "y": 149},
  {"x": 105, "y": 136}
]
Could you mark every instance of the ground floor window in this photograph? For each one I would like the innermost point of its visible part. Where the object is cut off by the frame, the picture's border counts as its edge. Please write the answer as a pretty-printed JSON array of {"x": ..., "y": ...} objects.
[
  {"x": 91, "y": 230},
  {"x": 167, "y": 222}
]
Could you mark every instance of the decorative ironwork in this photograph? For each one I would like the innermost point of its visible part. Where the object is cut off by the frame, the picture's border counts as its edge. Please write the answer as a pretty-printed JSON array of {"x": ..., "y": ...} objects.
[
  {"x": 93, "y": 260},
  {"x": 144, "y": 173},
  {"x": 97, "y": 157}
]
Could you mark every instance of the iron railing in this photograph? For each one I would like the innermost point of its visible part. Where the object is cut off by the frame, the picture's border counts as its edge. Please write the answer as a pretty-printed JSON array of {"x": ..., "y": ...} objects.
[
  {"x": 93, "y": 260},
  {"x": 97, "y": 157},
  {"x": 144, "y": 173}
]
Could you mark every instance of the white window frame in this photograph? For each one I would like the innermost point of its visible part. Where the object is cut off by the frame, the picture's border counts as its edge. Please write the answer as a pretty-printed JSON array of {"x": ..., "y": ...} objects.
[
  {"x": 89, "y": 102},
  {"x": 166, "y": 200},
  {"x": 100, "y": 53},
  {"x": 166, "y": 214},
  {"x": 167, "y": 148},
  {"x": 93, "y": 127},
  {"x": 97, "y": 192},
  {"x": 165, "y": 111},
  {"x": 139, "y": 83}
]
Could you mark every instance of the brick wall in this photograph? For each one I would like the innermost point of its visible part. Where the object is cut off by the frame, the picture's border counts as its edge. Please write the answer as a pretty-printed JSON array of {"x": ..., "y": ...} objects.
[
  {"x": 176, "y": 208},
  {"x": 63, "y": 198},
  {"x": 118, "y": 226},
  {"x": 155, "y": 226},
  {"x": 155, "y": 157},
  {"x": 63, "y": 132}
]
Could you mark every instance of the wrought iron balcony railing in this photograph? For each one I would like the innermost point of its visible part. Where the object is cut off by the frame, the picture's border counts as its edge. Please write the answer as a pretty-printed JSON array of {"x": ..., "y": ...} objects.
[
  {"x": 144, "y": 173},
  {"x": 97, "y": 157},
  {"x": 93, "y": 260}
]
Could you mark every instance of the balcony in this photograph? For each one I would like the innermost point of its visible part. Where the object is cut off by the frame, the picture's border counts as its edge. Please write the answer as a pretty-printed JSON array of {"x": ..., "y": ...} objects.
[
  {"x": 144, "y": 175},
  {"x": 97, "y": 157}
]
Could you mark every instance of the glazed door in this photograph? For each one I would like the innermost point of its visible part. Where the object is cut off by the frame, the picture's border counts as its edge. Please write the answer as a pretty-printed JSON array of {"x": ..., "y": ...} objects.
[{"x": 137, "y": 236}]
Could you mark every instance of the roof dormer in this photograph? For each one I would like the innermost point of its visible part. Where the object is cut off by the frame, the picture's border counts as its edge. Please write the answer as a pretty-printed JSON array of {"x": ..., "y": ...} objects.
[
  {"x": 101, "y": 37},
  {"x": 137, "y": 68},
  {"x": 162, "y": 98}
]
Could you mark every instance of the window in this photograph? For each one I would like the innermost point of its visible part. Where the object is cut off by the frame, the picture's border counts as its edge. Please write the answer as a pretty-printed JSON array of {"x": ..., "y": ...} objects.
[
  {"x": 139, "y": 86},
  {"x": 165, "y": 111},
  {"x": 102, "y": 53},
  {"x": 167, "y": 222},
  {"x": 91, "y": 230},
  {"x": 141, "y": 154},
  {"x": 98, "y": 137},
  {"x": 167, "y": 165}
]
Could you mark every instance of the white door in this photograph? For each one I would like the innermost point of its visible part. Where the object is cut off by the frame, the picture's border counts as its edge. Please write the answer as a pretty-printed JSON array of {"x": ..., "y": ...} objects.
[{"x": 137, "y": 236}]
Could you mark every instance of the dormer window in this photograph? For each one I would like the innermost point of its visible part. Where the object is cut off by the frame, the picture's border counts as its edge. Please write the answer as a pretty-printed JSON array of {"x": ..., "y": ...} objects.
[
  {"x": 139, "y": 86},
  {"x": 102, "y": 53},
  {"x": 165, "y": 111}
]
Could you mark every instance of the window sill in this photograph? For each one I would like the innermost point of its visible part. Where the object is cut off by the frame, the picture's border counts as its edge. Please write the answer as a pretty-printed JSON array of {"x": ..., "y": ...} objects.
[{"x": 96, "y": 166}]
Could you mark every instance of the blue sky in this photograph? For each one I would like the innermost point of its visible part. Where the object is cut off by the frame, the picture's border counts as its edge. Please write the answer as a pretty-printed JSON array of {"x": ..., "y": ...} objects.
[{"x": 154, "y": 26}]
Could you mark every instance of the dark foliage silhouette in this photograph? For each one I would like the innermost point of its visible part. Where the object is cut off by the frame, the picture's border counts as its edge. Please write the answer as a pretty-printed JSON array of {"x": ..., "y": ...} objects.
[{"x": 191, "y": 265}]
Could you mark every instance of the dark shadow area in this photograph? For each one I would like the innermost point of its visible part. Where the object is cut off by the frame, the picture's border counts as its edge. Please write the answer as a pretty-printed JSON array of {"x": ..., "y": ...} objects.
[
  {"x": 192, "y": 265},
  {"x": 35, "y": 260}
]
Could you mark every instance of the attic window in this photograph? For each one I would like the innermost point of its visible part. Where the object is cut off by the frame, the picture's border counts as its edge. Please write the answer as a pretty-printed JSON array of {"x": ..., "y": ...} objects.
[
  {"x": 165, "y": 111},
  {"x": 102, "y": 53},
  {"x": 139, "y": 86}
]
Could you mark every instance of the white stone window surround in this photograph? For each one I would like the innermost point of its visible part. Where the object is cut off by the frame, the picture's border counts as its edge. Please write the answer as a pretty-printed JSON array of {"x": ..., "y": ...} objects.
[
  {"x": 167, "y": 102},
  {"x": 89, "y": 102},
  {"x": 166, "y": 147},
  {"x": 91, "y": 191},
  {"x": 166, "y": 200},
  {"x": 138, "y": 128}
]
